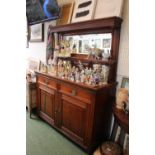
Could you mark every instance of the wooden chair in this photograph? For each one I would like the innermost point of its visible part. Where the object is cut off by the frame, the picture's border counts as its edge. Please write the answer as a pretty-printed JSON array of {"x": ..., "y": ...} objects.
[
  {"x": 31, "y": 84},
  {"x": 118, "y": 143},
  {"x": 30, "y": 95}
]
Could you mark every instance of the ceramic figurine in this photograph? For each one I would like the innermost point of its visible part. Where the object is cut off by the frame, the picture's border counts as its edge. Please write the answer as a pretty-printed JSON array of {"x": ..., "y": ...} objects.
[
  {"x": 77, "y": 76},
  {"x": 68, "y": 66},
  {"x": 89, "y": 71},
  {"x": 87, "y": 77},
  {"x": 122, "y": 98},
  {"x": 50, "y": 60},
  {"x": 91, "y": 79},
  {"x": 72, "y": 77},
  {"x": 65, "y": 74},
  {"x": 105, "y": 73},
  {"x": 55, "y": 57},
  {"x": 60, "y": 63},
  {"x": 80, "y": 65},
  {"x": 82, "y": 76},
  {"x": 96, "y": 79},
  {"x": 86, "y": 71},
  {"x": 96, "y": 67},
  {"x": 74, "y": 49}
]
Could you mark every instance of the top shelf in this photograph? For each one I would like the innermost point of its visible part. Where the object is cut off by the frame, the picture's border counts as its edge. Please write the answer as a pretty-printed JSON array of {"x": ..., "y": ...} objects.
[
  {"x": 108, "y": 62},
  {"x": 104, "y": 23},
  {"x": 84, "y": 58}
]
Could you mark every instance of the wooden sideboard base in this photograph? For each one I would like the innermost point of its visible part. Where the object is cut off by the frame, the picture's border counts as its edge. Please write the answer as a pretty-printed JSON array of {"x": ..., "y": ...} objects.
[{"x": 83, "y": 117}]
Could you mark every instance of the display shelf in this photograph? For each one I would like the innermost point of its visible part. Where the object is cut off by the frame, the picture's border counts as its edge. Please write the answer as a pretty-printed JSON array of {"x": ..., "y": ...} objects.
[
  {"x": 89, "y": 60},
  {"x": 100, "y": 24},
  {"x": 83, "y": 85}
]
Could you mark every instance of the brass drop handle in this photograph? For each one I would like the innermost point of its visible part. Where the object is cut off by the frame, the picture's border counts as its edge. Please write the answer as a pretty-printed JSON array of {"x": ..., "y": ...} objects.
[{"x": 74, "y": 92}]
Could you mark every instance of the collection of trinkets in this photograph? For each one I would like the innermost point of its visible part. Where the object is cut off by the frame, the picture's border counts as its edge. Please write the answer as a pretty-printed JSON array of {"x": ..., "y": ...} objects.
[{"x": 97, "y": 75}]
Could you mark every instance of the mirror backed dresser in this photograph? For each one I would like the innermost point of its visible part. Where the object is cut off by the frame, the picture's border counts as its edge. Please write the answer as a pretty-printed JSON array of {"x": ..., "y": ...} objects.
[{"x": 76, "y": 100}]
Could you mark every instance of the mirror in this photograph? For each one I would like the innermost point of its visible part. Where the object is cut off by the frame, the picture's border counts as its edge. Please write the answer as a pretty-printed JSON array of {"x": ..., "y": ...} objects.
[{"x": 82, "y": 43}]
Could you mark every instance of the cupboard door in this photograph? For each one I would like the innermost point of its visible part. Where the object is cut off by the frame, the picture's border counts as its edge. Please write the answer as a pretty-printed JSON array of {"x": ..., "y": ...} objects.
[
  {"x": 46, "y": 104},
  {"x": 49, "y": 105},
  {"x": 73, "y": 117},
  {"x": 42, "y": 100}
]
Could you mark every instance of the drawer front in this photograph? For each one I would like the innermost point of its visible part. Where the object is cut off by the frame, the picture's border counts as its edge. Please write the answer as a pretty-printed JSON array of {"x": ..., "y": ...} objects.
[
  {"x": 76, "y": 92},
  {"x": 48, "y": 82}
]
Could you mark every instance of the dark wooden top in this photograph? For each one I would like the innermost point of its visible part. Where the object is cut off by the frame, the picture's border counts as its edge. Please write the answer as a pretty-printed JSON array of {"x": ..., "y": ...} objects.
[
  {"x": 93, "y": 88},
  {"x": 121, "y": 118},
  {"x": 109, "y": 23}
]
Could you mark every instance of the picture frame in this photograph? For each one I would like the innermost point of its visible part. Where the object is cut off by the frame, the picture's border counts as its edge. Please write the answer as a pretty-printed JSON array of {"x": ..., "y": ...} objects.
[
  {"x": 125, "y": 83},
  {"x": 85, "y": 44},
  {"x": 65, "y": 14},
  {"x": 107, "y": 43},
  {"x": 33, "y": 64},
  {"x": 97, "y": 42},
  {"x": 37, "y": 33},
  {"x": 108, "y": 8},
  {"x": 83, "y": 10}
]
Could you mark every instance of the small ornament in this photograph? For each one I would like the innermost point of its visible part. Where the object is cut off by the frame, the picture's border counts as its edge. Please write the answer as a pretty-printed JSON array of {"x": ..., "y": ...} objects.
[
  {"x": 122, "y": 98},
  {"x": 105, "y": 73},
  {"x": 82, "y": 76}
]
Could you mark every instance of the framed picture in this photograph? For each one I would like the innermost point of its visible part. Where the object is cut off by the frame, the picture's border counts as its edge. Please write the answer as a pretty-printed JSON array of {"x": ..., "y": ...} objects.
[
  {"x": 83, "y": 10},
  {"x": 66, "y": 14},
  {"x": 125, "y": 83},
  {"x": 108, "y": 8},
  {"x": 85, "y": 45},
  {"x": 97, "y": 42},
  {"x": 106, "y": 43},
  {"x": 32, "y": 65},
  {"x": 37, "y": 33}
]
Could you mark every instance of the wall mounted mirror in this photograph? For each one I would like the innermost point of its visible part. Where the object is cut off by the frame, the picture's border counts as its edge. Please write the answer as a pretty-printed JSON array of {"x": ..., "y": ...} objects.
[{"x": 81, "y": 43}]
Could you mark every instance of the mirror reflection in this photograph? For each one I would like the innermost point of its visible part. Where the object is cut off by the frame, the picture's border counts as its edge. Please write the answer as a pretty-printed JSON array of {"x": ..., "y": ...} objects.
[{"x": 83, "y": 43}]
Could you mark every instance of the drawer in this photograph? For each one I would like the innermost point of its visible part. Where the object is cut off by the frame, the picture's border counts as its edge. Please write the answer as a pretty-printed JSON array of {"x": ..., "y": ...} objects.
[
  {"x": 48, "y": 82},
  {"x": 76, "y": 92}
]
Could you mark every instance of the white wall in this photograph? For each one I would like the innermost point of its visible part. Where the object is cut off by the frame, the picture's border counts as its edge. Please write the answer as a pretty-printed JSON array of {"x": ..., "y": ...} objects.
[
  {"x": 123, "y": 58},
  {"x": 38, "y": 50}
]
